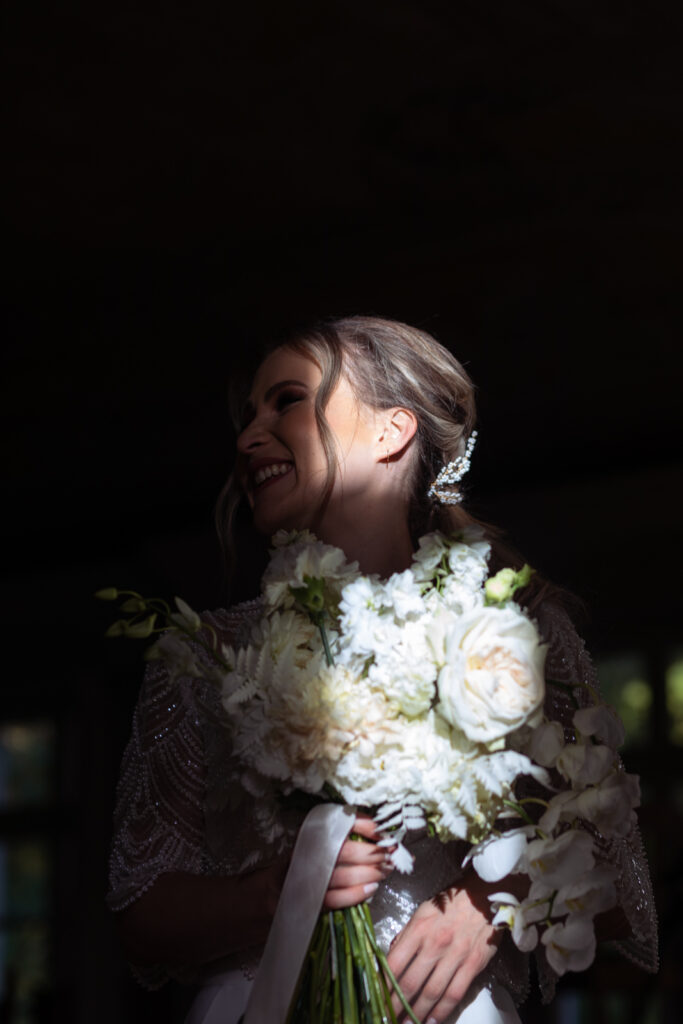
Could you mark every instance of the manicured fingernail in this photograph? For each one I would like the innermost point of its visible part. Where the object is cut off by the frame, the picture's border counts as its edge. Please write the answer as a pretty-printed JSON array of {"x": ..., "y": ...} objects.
[
  {"x": 372, "y": 887},
  {"x": 432, "y": 1020}
]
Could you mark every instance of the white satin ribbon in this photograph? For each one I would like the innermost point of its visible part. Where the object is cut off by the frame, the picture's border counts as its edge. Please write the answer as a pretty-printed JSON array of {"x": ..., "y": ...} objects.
[{"x": 315, "y": 853}]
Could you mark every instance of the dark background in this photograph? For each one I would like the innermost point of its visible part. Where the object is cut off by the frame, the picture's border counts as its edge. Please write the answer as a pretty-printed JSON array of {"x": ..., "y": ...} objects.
[{"x": 185, "y": 181}]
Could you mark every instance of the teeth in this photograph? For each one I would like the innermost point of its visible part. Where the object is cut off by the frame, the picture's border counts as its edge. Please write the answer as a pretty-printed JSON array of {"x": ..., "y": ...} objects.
[{"x": 277, "y": 469}]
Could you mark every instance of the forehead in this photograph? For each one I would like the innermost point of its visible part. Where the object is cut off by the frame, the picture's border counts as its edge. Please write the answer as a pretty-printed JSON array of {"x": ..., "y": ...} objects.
[{"x": 284, "y": 364}]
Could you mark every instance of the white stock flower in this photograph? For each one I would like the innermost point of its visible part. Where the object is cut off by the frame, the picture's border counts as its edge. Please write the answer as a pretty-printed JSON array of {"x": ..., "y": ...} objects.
[
  {"x": 602, "y": 722},
  {"x": 431, "y": 549},
  {"x": 357, "y": 598},
  {"x": 556, "y": 861},
  {"x": 493, "y": 681},
  {"x": 468, "y": 561},
  {"x": 401, "y": 594},
  {"x": 570, "y": 946},
  {"x": 460, "y": 597}
]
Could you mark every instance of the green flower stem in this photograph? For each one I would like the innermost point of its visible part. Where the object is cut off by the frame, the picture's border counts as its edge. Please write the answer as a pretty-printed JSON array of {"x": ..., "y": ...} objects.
[
  {"x": 362, "y": 980},
  {"x": 368, "y": 968},
  {"x": 385, "y": 965},
  {"x": 326, "y": 644},
  {"x": 518, "y": 809},
  {"x": 570, "y": 687}
]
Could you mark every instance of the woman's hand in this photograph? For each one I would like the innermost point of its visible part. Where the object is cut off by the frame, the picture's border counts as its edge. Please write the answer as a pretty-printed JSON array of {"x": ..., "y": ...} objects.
[
  {"x": 359, "y": 869},
  {"x": 445, "y": 945}
]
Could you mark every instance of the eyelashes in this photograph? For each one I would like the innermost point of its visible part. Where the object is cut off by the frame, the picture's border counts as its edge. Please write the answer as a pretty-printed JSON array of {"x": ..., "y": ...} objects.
[
  {"x": 283, "y": 400},
  {"x": 287, "y": 398}
]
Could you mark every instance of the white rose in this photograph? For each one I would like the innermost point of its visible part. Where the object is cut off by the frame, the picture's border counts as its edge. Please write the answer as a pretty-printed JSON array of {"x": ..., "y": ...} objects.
[{"x": 493, "y": 681}]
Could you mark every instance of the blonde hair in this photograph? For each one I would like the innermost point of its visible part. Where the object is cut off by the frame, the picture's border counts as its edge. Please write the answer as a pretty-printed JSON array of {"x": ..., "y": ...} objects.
[{"x": 389, "y": 364}]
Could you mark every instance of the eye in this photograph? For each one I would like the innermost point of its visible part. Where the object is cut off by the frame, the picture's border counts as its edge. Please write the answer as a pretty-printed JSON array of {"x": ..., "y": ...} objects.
[{"x": 286, "y": 398}]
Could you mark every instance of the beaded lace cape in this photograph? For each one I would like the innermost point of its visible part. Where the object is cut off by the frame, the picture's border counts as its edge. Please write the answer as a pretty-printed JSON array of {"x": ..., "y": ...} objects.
[{"x": 180, "y": 807}]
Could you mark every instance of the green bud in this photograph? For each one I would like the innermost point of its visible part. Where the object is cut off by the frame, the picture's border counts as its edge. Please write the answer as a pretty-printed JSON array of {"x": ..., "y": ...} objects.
[
  {"x": 140, "y": 630},
  {"x": 117, "y": 628},
  {"x": 524, "y": 575},
  {"x": 152, "y": 653},
  {"x": 501, "y": 587},
  {"x": 133, "y": 605},
  {"x": 312, "y": 596},
  {"x": 106, "y": 594},
  {"x": 186, "y": 616}
]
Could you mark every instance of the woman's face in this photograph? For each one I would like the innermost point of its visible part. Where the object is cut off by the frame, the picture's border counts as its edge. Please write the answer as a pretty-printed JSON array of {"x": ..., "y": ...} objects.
[{"x": 282, "y": 464}]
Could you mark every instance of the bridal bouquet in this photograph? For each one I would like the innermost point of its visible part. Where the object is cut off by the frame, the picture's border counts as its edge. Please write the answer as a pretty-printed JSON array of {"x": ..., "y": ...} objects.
[{"x": 421, "y": 699}]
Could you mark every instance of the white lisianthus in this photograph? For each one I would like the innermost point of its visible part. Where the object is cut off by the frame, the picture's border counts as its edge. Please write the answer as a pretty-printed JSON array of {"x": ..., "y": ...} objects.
[
  {"x": 493, "y": 681},
  {"x": 302, "y": 557},
  {"x": 570, "y": 946}
]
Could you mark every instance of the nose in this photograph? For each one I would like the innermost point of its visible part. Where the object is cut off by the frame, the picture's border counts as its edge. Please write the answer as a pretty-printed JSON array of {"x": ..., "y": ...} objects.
[{"x": 251, "y": 437}]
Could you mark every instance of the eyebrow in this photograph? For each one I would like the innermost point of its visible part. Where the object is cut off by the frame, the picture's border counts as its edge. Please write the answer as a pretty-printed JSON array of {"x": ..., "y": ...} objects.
[{"x": 248, "y": 407}]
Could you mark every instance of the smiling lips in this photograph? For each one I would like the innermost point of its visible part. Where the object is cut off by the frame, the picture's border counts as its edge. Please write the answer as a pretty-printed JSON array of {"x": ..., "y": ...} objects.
[{"x": 275, "y": 469}]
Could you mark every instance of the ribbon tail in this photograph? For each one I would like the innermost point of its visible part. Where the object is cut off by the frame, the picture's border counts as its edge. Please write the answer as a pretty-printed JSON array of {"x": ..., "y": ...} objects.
[{"x": 317, "y": 847}]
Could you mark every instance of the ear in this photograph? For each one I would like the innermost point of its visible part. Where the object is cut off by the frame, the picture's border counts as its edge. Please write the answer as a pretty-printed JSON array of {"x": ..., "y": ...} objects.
[{"x": 397, "y": 429}]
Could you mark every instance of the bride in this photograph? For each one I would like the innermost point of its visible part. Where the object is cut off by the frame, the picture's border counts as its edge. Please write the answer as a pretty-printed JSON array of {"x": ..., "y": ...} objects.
[{"x": 345, "y": 429}]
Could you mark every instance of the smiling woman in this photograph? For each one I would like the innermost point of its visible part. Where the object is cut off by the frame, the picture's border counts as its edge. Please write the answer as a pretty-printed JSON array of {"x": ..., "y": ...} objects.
[{"x": 345, "y": 428}]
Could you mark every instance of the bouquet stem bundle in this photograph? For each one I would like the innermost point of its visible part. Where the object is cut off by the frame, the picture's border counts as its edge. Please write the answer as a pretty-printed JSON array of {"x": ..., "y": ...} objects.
[{"x": 346, "y": 978}]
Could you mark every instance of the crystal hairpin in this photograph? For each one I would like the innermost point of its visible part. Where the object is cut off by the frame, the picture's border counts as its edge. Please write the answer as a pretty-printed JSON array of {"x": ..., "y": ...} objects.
[{"x": 452, "y": 474}]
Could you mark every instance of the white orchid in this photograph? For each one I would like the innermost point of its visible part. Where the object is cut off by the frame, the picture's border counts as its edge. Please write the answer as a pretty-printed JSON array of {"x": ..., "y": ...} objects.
[
  {"x": 570, "y": 945},
  {"x": 602, "y": 722},
  {"x": 584, "y": 763},
  {"x": 558, "y": 860},
  {"x": 610, "y": 804}
]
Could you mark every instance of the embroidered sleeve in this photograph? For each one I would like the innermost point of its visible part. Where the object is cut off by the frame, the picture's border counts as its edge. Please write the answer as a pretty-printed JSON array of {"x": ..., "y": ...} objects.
[
  {"x": 160, "y": 819},
  {"x": 569, "y": 662}
]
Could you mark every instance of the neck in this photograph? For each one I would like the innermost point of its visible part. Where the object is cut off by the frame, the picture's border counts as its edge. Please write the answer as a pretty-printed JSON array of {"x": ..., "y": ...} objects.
[{"x": 378, "y": 540}]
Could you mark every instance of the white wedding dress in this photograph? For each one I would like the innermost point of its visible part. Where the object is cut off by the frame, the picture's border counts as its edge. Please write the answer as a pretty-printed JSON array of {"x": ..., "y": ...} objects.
[{"x": 180, "y": 807}]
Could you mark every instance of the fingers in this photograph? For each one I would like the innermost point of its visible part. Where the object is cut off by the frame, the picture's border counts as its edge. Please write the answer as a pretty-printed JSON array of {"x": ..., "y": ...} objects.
[
  {"x": 351, "y": 884},
  {"x": 337, "y": 899},
  {"x": 364, "y": 826},
  {"x": 361, "y": 853}
]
